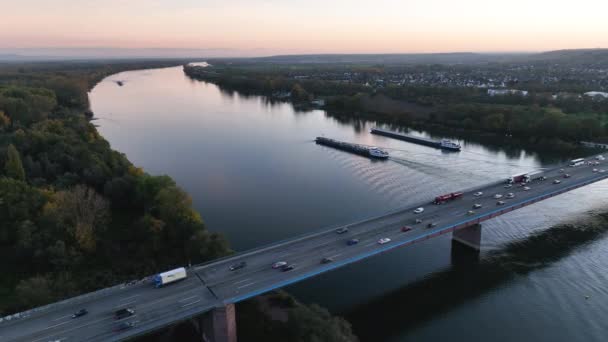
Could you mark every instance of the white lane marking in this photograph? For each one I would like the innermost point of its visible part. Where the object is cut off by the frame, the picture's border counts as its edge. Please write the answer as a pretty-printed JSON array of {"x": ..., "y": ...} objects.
[
  {"x": 369, "y": 244},
  {"x": 185, "y": 299},
  {"x": 62, "y": 317},
  {"x": 56, "y": 325},
  {"x": 75, "y": 328},
  {"x": 128, "y": 298},
  {"x": 191, "y": 303},
  {"x": 335, "y": 256},
  {"x": 240, "y": 287},
  {"x": 124, "y": 304},
  {"x": 242, "y": 281}
]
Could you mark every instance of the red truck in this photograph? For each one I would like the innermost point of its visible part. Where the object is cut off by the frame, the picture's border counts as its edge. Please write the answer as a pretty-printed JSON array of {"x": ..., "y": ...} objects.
[{"x": 448, "y": 197}]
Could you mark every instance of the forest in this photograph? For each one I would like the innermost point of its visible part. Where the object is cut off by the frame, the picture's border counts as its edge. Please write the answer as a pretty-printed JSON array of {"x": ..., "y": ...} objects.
[{"x": 76, "y": 216}]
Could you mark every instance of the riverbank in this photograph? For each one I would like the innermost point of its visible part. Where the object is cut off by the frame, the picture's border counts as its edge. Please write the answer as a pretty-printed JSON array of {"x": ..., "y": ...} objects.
[
  {"x": 75, "y": 214},
  {"x": 460, "y": 113}
]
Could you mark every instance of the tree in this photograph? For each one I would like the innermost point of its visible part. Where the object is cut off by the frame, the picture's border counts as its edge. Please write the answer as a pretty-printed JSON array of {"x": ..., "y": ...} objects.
[
  {"x": 14, "y": 167},
  {"x": 81, "y": 212},
  {"x": 5, "y": 121}
]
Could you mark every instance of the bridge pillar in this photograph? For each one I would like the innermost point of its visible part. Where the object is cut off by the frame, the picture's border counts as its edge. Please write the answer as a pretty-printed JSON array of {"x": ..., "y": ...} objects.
[
  {"x": 219, "y": 325},
  {"x": 469, "y": 236}
]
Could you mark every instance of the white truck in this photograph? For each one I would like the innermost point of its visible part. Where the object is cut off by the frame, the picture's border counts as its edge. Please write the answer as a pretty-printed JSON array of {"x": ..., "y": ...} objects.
[{"x": 169, "y": 277}]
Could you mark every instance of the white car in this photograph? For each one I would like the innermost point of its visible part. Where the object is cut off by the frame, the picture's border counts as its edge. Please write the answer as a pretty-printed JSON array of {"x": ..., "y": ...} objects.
[
  {"x": 497, "y": 196},
  {"x": 602, "y": 171},
  {"x": 508, "y": 186},
  {"x": 478, "y": 193},
  {"x": 595, "y": 170},
  {"x": 476, "y": 206},
  {"x": 526, "y": 188},
  {"x": 557, "y": 181},
  {"x": 384, "y": 240},
  {"x": 419, "y": 210},
  {"x": 510, "y": 195},
  {"x": 279, "y": 264}
]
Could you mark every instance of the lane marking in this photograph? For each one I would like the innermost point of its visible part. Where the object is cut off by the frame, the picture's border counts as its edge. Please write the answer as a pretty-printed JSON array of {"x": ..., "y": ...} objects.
[
  {"x": 240, "y": 287},
  {"x": 56, "y": 319},
  {"x": 242, "y": 281},
  {"x": 124, "y": 304},
  {"x": 183, "y": 306},
  {"x": 185, "y": 299},
  {"x": 56, "y": 325},
  {"x": 65, "y": 331},
  {"x": 129, "y": 297},
  {"x": 335, "y": 256}
]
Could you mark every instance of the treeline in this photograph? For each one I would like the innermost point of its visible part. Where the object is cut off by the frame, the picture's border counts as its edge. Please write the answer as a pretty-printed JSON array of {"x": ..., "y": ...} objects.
[
  {"x": 74, "y": 214},
  {"x": 539, "y": 116}
]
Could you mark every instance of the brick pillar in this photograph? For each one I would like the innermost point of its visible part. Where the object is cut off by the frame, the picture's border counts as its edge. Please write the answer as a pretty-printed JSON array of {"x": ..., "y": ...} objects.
[
  {"x": 219, "y": 325},
  {"x": 469, "y": 236}
]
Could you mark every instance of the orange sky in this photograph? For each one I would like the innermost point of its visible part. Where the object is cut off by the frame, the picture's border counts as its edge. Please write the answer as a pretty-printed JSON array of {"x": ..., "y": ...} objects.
[{"x": 312, "y": 26}]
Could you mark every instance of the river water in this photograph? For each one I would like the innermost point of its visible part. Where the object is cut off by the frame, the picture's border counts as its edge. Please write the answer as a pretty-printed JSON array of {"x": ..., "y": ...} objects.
[{"x": 256, "y": 175}]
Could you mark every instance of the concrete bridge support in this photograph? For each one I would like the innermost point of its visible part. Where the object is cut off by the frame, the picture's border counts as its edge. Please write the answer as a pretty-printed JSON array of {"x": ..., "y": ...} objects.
[
  {"x": 465, "y": 246},
  {"x": 469, "y": 236},
  {"x": 219, "y": 325}
]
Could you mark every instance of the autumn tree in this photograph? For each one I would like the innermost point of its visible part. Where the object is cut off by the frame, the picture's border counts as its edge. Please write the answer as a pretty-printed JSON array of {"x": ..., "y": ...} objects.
[
  {"x": 14, "y": 167},
  {"x": 81, "y": 212}
]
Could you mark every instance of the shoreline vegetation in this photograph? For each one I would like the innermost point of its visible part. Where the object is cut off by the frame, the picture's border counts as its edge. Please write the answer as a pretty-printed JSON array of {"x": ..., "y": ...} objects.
[
  {"x": 540, "y": 120},
  {"x": 76, "y": 216}
]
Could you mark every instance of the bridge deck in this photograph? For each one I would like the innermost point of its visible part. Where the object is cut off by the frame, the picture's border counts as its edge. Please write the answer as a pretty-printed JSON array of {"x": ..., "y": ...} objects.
[{"x": 213, "y": 284}]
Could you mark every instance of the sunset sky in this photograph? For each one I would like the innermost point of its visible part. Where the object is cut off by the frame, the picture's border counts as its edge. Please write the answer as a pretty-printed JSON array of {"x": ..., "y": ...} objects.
[{"x": 307, "y": 26}]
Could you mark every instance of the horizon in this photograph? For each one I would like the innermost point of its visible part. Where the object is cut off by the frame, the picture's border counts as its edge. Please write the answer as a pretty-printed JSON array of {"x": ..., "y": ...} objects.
[{"x": 241, "y": 28}]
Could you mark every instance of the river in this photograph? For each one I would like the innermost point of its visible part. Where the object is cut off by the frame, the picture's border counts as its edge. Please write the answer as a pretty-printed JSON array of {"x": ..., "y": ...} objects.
[{"x": 256, "y": 175}]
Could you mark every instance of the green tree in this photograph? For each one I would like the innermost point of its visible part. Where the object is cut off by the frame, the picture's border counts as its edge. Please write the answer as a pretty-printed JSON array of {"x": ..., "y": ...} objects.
[{"x": 14, "y": 167}]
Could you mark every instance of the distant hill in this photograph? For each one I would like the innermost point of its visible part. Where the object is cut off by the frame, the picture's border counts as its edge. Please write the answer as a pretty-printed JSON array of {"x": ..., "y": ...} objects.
[
  {"x": 574, "y": 57},
  {"x": 416, "y": 58}
]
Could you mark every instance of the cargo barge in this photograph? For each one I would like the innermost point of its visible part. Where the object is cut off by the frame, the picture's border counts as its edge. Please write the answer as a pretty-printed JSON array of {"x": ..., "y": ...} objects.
[
  {"x": 371, "y": 152},
  {"x": 444, "y": 144}
]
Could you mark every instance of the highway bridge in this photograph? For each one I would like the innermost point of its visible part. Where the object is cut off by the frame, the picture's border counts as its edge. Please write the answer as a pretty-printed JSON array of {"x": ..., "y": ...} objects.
[{"x": 210, "y": 291}]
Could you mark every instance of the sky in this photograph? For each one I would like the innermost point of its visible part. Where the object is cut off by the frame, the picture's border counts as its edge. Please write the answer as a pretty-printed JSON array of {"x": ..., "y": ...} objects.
[{"x": 265, "y": 27}]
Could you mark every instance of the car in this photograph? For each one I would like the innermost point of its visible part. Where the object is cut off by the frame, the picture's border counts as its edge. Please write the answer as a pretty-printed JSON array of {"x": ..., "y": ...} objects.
[
  {"x": 326, "y": 260},
  {"x": 352, "y": 242},
  {"x": 542, "y": 178},
  {"x": 500, "y": 203},
  {"x": 508, "y": 186},
  {"x": 510, "y": 195},
  {"x": 476, "y": 206},
  {"x": 237, "y": 266},
  {"x": 124, "y": 326},
  {"x": 478, "y": 193},
  {"x": 595, "y": 170},
  {"x": 80, "y": 313},
  {"x": 419, "y": 210},
  {"x": 431, "y": 225},
  {"x": 602, "y": 171},
  {"x": 497, "y": 196},
  {"x": 288, "y": 268},
  {"x": 383, "y": 241},
  {"x": 567, "y": 175},
  {"x": 526, "y": 188},
  {"x": 342, "y": 230},
  {"x": 279, "y": 264},
  {"x": 406, "y": 228},
  {"x": 557, "y": 181},
  {"x": 418, "y": 221},
  {"x": 124, "y": 313},
  {"x": 471, "y": 212},
  {"x": 561, "y": 170}
]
